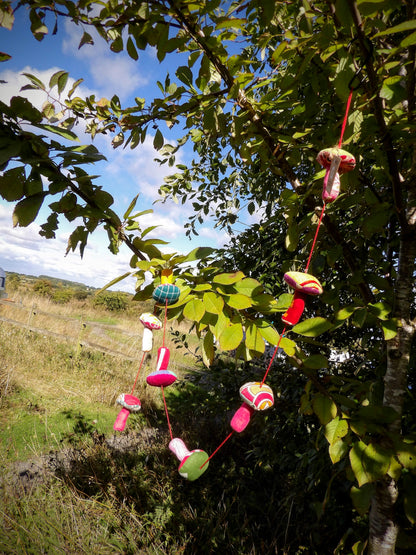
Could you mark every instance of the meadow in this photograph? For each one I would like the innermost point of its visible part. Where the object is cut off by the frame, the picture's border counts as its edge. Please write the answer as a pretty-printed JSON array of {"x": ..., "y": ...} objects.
[
  {"x": 57, "y": 400},
  {"x": 71, "y": 485}
]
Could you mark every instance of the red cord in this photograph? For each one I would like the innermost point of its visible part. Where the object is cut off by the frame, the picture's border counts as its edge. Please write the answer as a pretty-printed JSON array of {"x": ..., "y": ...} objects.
[
  {"x": 274, "y": 354},
  {"x": 315, "y": 238},
  {"x": 217, "y": 449},
  {"x": 138, "y": 371},
  {"x": 344, "y": 123},
  {"x": 167, "y": 413}
]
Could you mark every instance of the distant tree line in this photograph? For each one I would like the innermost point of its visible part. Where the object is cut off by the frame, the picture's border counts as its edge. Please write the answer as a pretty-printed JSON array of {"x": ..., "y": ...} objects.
[{"x": 61, "y": 292}]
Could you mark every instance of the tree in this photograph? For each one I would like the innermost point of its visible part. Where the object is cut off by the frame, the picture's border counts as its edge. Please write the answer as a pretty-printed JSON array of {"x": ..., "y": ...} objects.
[{"x": 264, "y": 89}]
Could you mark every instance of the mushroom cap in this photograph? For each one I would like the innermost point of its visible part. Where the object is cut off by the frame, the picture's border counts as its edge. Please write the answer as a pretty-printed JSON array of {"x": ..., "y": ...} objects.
[
  {"x": 161, "y": 378},
  {"x": 129, "y": 402},
  {"x": 256, "y": 395},
  {"x": 166, "y": 292},
  {"x": 190, "y": 467},
  {"x": 347, "y": 160},
  {"x": 305, "y": 283},
  {"x": 150, "y": 321}
]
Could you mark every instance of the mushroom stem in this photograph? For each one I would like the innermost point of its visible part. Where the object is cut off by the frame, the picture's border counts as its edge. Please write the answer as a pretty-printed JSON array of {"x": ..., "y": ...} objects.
[
  {"x": 241, "y": 418},
  {"x": 121, "y": 420},
  {"x": 147, "y": 340},
  {"x": 179, "y": 449},
  {"x": 295, "y": 310},
  {"x": 331, "y": 181}
]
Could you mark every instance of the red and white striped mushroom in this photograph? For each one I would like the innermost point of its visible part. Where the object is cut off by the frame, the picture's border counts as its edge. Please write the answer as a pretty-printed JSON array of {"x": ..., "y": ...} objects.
[{"x": 336, "y": 162}]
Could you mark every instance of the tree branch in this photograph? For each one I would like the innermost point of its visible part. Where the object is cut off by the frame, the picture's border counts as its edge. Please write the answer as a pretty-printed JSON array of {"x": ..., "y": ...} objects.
[{"x": 385, "y": 136}]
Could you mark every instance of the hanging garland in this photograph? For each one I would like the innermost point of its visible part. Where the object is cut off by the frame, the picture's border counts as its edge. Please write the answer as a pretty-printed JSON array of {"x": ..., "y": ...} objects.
[{"x": 256, "y": 396}]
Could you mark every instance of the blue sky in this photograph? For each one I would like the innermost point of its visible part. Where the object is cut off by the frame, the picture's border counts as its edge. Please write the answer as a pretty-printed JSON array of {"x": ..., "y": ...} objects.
[{"x": 127, "y": 172}]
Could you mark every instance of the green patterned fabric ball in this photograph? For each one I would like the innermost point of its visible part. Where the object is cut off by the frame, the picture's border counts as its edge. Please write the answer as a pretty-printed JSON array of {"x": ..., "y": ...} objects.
[{"x": 167, "y": 292}]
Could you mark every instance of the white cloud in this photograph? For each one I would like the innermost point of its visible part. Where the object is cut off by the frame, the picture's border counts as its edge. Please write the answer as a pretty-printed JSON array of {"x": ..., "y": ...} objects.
[
  {"x": 24, "y": 250},
  {"x": 15, "y": 80},
  {"x": 110, "y": 72}
]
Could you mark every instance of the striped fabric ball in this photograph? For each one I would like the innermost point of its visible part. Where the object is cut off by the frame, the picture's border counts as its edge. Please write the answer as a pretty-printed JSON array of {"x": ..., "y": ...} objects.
[
  {"x": 257, "y": 396},
  {"x": 167, "y": 292},
  {"x": 306, "y": 283}
]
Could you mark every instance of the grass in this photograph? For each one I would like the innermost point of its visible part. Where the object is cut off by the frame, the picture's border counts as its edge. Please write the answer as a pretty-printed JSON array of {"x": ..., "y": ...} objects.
[{"x": 108, "y": 493}]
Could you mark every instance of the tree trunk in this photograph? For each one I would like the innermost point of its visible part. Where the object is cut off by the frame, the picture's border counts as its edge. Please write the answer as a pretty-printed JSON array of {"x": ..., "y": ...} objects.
[{"x": 383, "y": 524}]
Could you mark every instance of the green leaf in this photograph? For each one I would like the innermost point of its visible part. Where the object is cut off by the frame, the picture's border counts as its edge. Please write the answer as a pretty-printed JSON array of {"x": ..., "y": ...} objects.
[
  {"x": 199, "y": 254},
  {"x": 158, "y": 140},
  {"x": 390, "y": 328},
  {"x": 267, "y": 332},
  {"x": 131, "y": 207},
  {"x": 238, "y": 301},
  {"x": 194, "y": 310},
  {"x": 381, "y": 310},
  {"x": 35, "y": 81},
  {"x": 113, "y": 282},
  {"x": 65, "y": 133},
  {"x": 249, "y": 287},
  {"x": 131, "y": 49},
  {"x": 85, "y": 39},
  {"x": 208, "y": 350},
  {"x": 185, "y": 75},
  {"x": 336, "y": 429},
  {"x": 288, "y": 346},
  {"x": 74, "y": 86},
  {"x": 24, "y": 109},
  {"x": 60, "y": 79},
  {"x": 12, "y": 184},
  {"x": 324, "y": 408},
  {"x": 361, "y": 497},
  {"x": 3, "y": 56},
  {"x": 230, "y": 23},
  {"x": 408, "y": 41},
  {"x": 6, "y": 16},
  {"x": 404, "y": 26},
  {"x": 228, "y": 279},
  {"x": 356, "y": 456},
  {"x": 337, "y": 450},
  {"x": 316, "y": 362},
  {"x": 292, "y": 237},
  {"x": 359, "y": 317},
  {"x": 254, "y": 340},
  {"x": 103, "y": 199},
  {"x": 231, "y": 337},
  {"x": 213, "y": 303},
  {"x": 312, "y": 327},
  {"x": 369, "y": 462},
  {"x": 406, "y": 453},
  {"x": 26, "y": 210}
]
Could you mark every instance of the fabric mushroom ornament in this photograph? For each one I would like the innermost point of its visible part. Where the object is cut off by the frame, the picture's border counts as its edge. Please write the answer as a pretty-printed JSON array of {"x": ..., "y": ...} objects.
[
  {"x": 167, "y": 292},
  {"x": 162, "y": 377},
  {"x": 193, "y": 463},
  {"x": 256, "y": 396},
  {"x": 129, "y": 404},
  {"x": 303, "y": 284},
  {"x": 150, "y": 323},
  {"x": 336, "y": 162}
]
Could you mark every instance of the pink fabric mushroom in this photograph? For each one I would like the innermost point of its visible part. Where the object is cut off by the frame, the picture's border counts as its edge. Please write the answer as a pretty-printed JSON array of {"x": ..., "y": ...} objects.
[
  {"x": 335, "y": 161},
  {"x": 256, "y": 396},
  {"x": 129, "y": 404},
  {"x": 162, "y": 377},
  {"x": 150, "y": 323},
  {"x": 303, "y": 284}
]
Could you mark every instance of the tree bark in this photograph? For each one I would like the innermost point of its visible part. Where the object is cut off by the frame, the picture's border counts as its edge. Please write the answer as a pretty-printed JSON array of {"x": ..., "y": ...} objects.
[{"x": 383, "y": 524}]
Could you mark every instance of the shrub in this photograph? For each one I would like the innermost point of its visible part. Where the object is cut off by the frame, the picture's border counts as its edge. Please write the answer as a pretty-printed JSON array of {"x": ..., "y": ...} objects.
[
  {"x": 62, "y": 296},
  {"x": 43, "y": 287},
  {"x": 113, "y": 301}
]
